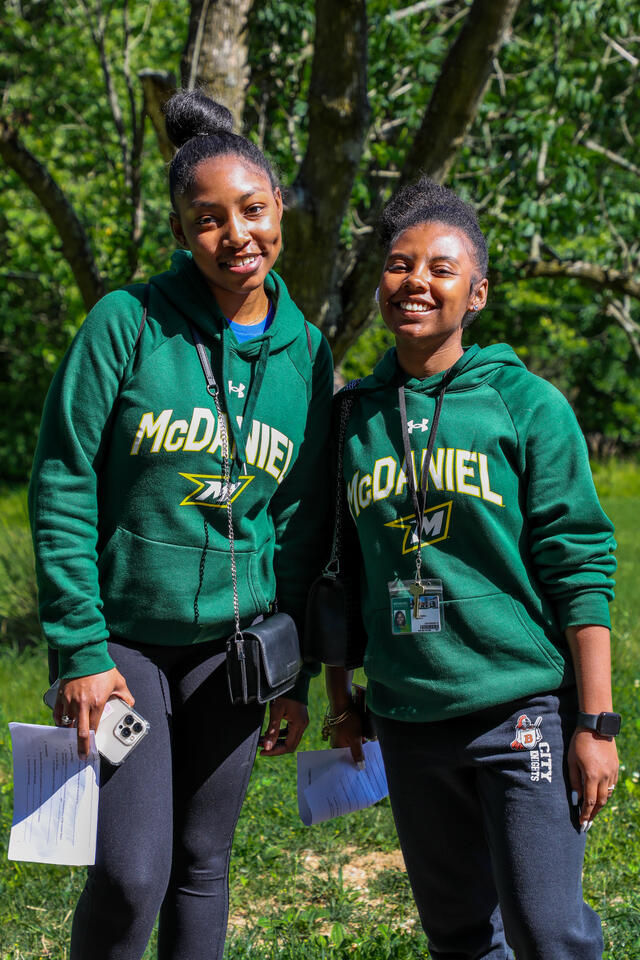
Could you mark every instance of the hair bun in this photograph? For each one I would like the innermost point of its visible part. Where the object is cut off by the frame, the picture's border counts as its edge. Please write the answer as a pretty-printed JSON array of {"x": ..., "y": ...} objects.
[{"x": 190, "y": 113}]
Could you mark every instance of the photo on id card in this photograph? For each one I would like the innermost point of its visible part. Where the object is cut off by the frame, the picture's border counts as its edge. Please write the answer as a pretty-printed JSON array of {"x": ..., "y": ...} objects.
[{"x": 411, "y": 614}]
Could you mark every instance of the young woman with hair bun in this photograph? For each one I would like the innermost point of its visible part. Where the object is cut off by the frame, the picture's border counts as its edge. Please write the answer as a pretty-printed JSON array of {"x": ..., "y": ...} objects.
[
  {"x": 468, "y": 481},
  {"x": 128, "y": 505}
]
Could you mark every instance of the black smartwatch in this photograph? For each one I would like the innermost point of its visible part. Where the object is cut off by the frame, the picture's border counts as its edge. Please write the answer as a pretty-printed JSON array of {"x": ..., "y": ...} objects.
[{"x": 606, "y": 724}]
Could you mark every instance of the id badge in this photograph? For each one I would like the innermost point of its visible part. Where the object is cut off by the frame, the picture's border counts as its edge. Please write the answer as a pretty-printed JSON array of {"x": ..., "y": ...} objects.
[{"x": 415, "y": 608}]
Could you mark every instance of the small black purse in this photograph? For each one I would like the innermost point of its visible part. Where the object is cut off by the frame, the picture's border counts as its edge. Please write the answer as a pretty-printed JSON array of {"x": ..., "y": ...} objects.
[
  {"x": 334, "y": 632},
  {"x": 263, "y": 661}
]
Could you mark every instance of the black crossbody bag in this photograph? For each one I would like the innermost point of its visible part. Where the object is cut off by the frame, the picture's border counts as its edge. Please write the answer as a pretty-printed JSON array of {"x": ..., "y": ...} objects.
[
  {"x": 263, "y": 660},
  {"x": 334, "y": 632}
]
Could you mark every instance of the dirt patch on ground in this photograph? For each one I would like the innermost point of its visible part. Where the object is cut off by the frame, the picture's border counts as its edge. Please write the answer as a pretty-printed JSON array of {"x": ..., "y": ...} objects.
[{"x": 358, "y": 871}]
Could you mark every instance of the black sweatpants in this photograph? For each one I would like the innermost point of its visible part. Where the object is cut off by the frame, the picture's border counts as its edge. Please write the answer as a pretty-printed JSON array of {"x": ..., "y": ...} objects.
[
  {"x": 167, "y": 815},
  {"x": 482, "y": 805}
]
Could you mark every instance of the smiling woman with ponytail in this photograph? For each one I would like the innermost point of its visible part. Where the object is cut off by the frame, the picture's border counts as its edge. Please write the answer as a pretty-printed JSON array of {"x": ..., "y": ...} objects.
[{"x": 129, "y": 513}]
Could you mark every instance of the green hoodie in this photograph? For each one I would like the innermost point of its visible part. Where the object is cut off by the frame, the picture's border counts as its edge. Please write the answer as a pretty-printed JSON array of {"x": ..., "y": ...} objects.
[
  {"x": 513, "y": 528},
  {"x": 127, "y": 506}
]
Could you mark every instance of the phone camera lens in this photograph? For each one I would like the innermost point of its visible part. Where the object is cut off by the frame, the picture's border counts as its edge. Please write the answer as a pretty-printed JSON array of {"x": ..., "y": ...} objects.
[
  {"x": 137, "y": 727},
  {"x": 125, "y": 732},
  {"x": 128, "y": 720}
]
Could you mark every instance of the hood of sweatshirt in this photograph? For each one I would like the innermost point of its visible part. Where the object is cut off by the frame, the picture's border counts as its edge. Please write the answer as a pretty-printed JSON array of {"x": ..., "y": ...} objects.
[
  {"x": 185, "y": 287},
  {"x": 474, "y": 367}
]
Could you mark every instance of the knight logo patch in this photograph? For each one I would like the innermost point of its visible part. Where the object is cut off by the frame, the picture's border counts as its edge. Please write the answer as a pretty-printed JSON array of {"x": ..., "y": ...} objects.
[
  {"x": 212, "y": 491},
  {"x": 528, "y": 735}
]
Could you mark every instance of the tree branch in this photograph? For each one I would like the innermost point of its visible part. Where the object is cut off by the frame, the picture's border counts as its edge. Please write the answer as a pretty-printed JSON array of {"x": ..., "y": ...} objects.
[
  {"x": 137, "y": 143},
  {"x": 415, "y": 8},
  {"x": 593, "y": 274},
  {"x": 459, "y": 89},
  {"x": 338, "y": 117},
  {"x": 157, "y": 87},
  {"x": 620, "y": 311},
  {"x": 215, "y": 54},
  {"x": 453, "y": 106},
  {"x": 614, "y": 157},
  {"x": 76, "y": 248},
  {"x": 98, "y": 26}
]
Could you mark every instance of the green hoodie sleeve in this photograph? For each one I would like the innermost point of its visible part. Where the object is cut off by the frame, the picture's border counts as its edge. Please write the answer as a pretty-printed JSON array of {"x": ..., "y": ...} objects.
[
  {"x": 63, "y": 492},
  {"x": 300, "y": 508},
  {"x": 570, "y": 538}
]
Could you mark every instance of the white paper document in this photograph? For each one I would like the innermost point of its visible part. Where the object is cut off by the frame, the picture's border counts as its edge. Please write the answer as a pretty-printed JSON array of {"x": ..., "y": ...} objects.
[
  {"x": 330, "y": 784},
  {"x": 55, "y": 806}
]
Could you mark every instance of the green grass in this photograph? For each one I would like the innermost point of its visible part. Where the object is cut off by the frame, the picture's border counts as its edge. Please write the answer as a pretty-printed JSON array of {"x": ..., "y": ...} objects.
[{"x": 336, "y": 890}]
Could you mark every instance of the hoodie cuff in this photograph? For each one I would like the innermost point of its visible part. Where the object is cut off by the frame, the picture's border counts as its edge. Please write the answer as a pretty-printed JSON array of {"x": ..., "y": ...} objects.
[
  {"x": 585, "y": 608},
  {"x": 84, "y": 661},
  {"x": 300, "y": 691}
]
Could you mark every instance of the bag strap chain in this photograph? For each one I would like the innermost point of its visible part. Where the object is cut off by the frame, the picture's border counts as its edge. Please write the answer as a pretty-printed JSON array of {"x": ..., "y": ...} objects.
[{"x": 214, "y": 391}]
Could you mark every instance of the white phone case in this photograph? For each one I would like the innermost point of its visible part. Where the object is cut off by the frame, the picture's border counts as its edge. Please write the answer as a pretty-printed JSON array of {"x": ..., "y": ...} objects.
[{"x": 121, "y": 728}]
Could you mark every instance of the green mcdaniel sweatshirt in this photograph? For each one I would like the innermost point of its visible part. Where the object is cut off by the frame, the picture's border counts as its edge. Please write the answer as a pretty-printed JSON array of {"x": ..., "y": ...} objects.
[
  {"x": 128, "y": 472},
  {"x": 513, "y": 528}
]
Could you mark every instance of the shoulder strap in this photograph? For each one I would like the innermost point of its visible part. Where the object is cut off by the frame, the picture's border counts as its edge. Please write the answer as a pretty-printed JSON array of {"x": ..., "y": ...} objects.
[
  {"x": 145, "y": 310},
  {"x": 346, "y": 402},
  {"x": 309, "y": 347}
]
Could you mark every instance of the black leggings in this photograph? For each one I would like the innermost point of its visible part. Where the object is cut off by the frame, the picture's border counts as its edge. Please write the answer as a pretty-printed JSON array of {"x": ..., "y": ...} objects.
[{"x": 168, "y": 813}]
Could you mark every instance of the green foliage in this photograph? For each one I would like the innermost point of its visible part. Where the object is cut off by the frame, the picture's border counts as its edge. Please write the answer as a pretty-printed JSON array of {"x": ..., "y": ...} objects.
[
  {"x": 558, "y": 83},
  {"x": 54, "y": 91},
  {"x": 557, "y": 86}
]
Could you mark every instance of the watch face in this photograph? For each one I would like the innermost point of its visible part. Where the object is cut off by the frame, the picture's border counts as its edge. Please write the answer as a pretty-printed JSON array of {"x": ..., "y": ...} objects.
[{"x": 609, "y": 724}]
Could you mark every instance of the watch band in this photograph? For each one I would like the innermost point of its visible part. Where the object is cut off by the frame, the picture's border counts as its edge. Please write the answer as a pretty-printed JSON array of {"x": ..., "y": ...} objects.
[{"x": 605, "y": 723}]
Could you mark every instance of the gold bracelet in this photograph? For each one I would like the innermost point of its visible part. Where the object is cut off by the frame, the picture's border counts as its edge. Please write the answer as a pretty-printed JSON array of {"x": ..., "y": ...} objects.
[{"x": 333, "y": 722}]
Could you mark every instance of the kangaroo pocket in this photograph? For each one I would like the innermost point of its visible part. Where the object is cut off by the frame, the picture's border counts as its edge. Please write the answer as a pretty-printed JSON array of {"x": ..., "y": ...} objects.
[
  {"x": 493, "y": 631},
  {"x": 165, "y": 593},
  {"x": 488, "y": 652}
]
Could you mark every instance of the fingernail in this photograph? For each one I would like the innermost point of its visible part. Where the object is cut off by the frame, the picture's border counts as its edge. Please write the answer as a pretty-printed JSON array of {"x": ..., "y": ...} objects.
[
  {"x": 574, "y": 798},
  {"x": 584, "y": 827},
  {"x": 267, "y": 744},
  {"x": 360, "y": 764},
  {"x": 590, "y": 824}
]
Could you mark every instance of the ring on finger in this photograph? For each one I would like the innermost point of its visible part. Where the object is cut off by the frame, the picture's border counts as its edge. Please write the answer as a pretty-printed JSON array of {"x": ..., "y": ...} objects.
[{"x": 66, "y": 720}]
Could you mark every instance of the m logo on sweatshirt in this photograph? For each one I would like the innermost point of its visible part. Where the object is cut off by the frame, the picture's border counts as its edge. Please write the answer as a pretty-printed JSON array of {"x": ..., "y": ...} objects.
[
  {"x": 435, "y": 527},
  {"x": 212, "y": 491}
]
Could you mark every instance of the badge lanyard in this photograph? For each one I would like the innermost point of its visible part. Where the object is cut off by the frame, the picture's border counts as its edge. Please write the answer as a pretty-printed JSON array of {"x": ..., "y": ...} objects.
[{"x": 419, "y": 496}]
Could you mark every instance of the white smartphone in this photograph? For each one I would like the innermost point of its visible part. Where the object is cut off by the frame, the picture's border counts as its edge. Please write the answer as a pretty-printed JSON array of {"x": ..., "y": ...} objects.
[{"x": 121, "y": 728}]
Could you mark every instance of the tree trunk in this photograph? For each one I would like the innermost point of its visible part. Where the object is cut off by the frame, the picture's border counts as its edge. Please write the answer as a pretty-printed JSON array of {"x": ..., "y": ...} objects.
[
  {"x": 215, "y": 55},
  {"x": 76, "y": 248},
  {"x": 342, "y": 305},
  {"x": 338, "y": 118},
  {"x": 453, "y": 106}
]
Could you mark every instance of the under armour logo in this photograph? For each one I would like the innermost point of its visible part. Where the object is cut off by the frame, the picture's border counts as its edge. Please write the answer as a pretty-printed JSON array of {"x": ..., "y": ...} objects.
[
  {"x": 239, "y": 390},
  {"x": 418, "y": 426}
]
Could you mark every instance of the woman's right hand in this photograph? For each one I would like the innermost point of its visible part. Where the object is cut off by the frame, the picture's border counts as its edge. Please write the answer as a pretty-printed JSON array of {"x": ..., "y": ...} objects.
[
  {"x": 83, "y": 699},
  {"x": 348, "y": 733}
]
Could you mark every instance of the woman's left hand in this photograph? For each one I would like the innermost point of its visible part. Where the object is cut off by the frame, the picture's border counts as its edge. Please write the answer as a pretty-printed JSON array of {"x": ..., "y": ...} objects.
[
  {"x": 296, "y": 717},
  {"x": 593, "y": 770}
]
